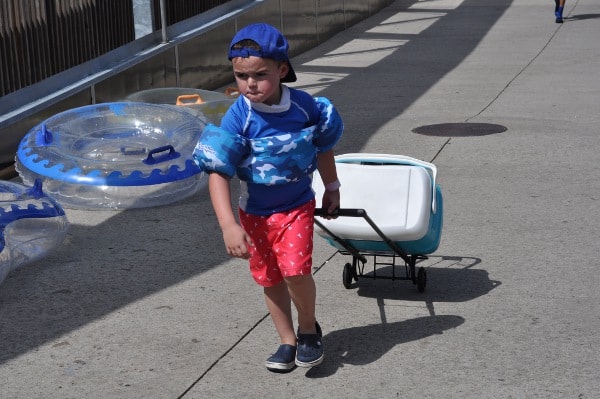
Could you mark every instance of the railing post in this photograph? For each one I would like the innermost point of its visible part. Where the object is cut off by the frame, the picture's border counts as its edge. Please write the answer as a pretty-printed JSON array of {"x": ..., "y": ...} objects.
[{"x": 163, "y": 20}]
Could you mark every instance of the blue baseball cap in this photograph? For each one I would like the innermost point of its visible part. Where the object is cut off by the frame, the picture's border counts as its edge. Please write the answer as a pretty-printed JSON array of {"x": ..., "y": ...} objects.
[{"x": 272, "y": 45}]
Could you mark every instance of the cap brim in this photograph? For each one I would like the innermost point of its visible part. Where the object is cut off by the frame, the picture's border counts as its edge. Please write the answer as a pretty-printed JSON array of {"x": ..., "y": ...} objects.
[{"x": 291, "y": 75}]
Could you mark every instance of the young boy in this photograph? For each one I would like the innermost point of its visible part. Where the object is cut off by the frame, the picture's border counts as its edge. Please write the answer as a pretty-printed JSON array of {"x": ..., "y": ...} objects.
[{"x": 273, "y": 137}]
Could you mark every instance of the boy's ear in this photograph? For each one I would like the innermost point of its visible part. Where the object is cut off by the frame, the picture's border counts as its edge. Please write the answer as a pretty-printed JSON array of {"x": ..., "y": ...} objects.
[{"x": 284, "y": 68}]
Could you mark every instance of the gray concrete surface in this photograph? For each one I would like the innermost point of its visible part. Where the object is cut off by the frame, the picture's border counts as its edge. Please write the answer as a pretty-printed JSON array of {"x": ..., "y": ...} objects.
[{"x": 145, "y": 303}]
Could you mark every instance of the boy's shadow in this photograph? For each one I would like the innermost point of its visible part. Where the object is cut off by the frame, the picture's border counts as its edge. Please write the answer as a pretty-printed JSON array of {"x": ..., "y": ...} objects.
[
  {"x": 366, "y": 344},
  {"x": 450, "y": 279}
]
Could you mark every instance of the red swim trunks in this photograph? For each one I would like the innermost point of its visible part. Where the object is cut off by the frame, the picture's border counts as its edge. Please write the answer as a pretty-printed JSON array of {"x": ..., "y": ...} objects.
[{"x": 283, "y": 243}]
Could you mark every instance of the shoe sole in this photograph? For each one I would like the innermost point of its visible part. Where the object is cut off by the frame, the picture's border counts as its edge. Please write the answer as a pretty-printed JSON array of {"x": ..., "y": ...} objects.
[
  {"x": 310, "y": 364},
  {"x": 280, "y": 367}
]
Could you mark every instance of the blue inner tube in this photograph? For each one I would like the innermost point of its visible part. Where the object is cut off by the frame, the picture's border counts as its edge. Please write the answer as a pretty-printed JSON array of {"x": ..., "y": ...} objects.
[
  {"x": 113, "y": 144},
  {"x": 24, "y": 202},
  {"x": 32, "y": 224}
]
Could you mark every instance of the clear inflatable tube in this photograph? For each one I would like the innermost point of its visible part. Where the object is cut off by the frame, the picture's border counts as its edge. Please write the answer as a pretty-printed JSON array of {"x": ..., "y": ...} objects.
[
  {"x": 32, "y": 225},
  {"x": 114, "y": 155},
  {"x": 176, "y": 96},
  {"x": 213, "y": 111},
  {"x": 210, "y": 104}
]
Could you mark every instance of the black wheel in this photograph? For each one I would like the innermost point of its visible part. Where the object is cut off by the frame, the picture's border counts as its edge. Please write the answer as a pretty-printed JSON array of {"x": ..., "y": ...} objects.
[
  {"x": 347, "y": 275},
  {"x": 421, "y": 279}
]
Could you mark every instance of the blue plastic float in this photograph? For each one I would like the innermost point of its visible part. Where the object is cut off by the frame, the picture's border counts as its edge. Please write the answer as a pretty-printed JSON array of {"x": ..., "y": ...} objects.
[
  {"x": 114, "y": 155},
  {"x": 32, "y": 224}
]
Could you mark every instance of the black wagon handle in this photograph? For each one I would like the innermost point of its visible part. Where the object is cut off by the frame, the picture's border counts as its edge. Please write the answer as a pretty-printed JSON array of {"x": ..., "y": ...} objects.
[{"x": 357, "y": 212}]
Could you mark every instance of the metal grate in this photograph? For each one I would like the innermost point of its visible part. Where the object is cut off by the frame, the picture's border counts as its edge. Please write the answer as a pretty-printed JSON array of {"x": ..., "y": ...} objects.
[
  {"x": 465, "y": 129},
  {"x": 39, "y": 38}
]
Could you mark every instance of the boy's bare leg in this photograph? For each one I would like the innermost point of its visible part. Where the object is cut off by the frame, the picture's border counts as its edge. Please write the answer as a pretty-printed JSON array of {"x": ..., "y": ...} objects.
[
  {"x": 280, "y": 307},
  {"x": 303, "y": 293}
]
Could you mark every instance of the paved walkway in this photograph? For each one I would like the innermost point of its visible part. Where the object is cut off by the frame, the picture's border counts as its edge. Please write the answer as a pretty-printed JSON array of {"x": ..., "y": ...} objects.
[{"x": 145, "y": 303}]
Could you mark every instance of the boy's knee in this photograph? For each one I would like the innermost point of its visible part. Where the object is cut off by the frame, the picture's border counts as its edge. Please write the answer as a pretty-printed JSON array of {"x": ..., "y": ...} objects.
[
  {"x": 303, "y": 278},
  {"x": 300, "y": 284}
]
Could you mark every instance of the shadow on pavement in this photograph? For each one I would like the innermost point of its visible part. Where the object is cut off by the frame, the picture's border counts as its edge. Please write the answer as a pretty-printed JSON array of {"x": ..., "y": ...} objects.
[
  {"x": 419, "y": 61},
  {"x": 580, "y": 17},
  {"x": 453, "y": 280},
  {"x": 449, "y": 281},
  {"x": 366, "y": 344},
  {"x": 100, "y": 269}
]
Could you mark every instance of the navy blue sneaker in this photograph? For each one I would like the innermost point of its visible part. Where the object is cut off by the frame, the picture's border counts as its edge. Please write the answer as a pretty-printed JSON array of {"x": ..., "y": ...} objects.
[
  {"x": 283, "y": 360},
  {"x": 310, "y": 349}
]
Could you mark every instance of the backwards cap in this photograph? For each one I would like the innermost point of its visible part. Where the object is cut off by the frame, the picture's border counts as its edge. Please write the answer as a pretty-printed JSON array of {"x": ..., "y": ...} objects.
[{"x": 272, "y": 45}]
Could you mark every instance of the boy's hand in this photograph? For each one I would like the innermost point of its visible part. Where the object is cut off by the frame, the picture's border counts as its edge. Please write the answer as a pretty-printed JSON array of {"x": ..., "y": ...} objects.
[
  {"x": 237, "y": 241},
  {"x": 331, "y": 202}
]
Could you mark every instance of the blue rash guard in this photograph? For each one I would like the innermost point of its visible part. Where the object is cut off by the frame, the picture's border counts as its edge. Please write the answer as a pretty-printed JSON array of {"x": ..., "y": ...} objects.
[{"x": 272, "y": 149}]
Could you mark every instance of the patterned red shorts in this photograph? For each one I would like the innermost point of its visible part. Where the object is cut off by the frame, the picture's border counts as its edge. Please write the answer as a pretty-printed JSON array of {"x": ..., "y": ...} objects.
[{"x": 283, "y": 243}]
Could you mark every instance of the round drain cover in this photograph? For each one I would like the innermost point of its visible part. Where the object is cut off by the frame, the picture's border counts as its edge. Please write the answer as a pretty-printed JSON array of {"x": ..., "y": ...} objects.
[{"x": 459, "y": 129}]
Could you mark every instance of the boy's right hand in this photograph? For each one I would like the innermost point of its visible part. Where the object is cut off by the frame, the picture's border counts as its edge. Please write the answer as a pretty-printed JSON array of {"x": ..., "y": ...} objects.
[{"x": 237, "y": 241}]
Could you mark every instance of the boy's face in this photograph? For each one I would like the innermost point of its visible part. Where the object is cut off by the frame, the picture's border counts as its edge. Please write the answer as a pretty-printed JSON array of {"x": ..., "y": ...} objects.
[{"x": 258, "y": 78}]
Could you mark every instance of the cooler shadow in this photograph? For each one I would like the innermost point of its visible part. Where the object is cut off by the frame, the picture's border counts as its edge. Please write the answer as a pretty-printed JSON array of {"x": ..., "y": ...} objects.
[{"x": 450, "y": 279}]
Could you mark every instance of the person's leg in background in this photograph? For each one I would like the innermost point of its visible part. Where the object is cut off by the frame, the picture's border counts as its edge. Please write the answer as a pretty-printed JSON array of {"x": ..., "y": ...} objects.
[{"x": 558, "y": 10}]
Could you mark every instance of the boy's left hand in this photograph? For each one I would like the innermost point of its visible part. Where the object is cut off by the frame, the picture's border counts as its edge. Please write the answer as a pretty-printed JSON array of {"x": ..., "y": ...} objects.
[{"x": 331, "y": 202}]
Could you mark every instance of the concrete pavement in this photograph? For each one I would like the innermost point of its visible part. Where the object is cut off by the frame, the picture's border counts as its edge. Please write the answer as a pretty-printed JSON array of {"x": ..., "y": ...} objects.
[{"x": 145, "y": 303}]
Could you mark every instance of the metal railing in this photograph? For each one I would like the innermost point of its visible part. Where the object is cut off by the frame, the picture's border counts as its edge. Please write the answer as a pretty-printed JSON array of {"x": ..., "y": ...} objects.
[{"x": 40, "y": 38}]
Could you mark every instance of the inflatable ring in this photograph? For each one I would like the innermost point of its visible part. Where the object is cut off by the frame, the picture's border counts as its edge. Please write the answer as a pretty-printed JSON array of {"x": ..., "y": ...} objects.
[
  {"x": 213, "y": 111},
  {"x": 210, "y": 104},
  {"x": 114, "y": 155},
  {"x": 32, "y": 224},
  {"x": 176, "y": 96}
]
